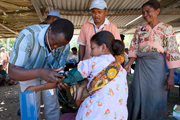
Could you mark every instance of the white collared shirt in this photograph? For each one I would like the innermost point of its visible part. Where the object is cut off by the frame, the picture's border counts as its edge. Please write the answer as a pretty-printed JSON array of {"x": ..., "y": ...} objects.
[{"x": 106, "y": 22}]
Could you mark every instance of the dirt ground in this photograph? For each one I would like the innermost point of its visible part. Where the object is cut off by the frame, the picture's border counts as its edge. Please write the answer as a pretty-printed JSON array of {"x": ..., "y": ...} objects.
[{"x": 9, "y": 101}]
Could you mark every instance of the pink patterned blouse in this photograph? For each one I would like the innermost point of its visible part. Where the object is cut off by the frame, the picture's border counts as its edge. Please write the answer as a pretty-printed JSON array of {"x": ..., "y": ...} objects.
[{"x": 159, "y": 39}]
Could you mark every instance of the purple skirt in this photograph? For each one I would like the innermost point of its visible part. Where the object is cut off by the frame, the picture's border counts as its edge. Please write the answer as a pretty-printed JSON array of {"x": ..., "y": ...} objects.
[{"x": 68, "y": 116}]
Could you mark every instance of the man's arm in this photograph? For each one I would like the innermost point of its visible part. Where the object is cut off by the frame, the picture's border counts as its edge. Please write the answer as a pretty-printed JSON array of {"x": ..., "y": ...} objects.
[
  {"x": 81, "y": 52},
  {"x": 82, "y": 42},
  {"x": 22, "y": 74}
]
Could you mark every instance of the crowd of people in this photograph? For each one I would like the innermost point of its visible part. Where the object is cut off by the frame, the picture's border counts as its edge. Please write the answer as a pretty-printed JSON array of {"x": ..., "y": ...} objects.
[{"x": 41, "y": 50}]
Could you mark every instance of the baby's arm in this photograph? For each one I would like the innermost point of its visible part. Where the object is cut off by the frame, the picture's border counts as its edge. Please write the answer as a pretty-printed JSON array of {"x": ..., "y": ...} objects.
[
  {"x": 41, "y": 87},
  {"x": 46, "y": 86},
  {"x": 80, "y": 90}
]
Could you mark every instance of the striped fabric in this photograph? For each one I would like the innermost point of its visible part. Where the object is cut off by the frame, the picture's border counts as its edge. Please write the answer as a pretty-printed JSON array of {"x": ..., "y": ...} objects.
[{"x": 30, "y": 51}]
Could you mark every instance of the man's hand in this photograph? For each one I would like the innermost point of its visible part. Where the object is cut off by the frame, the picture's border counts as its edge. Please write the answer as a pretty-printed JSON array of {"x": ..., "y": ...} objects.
[
  {"x": 21, "y": 74},
  {"x": 51, "y": 75}
]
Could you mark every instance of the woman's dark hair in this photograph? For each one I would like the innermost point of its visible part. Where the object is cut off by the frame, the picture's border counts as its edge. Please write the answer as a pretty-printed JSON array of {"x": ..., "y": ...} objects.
[
  {"x": 153, "y": 3},
  {"x": 63, "y": 26},
  {"x": 116, "y": 47}
]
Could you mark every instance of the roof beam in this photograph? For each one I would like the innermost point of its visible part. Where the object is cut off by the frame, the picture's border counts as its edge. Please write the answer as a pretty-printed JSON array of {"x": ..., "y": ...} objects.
[
  {"x": 36, "y": 7},
  {"x": 119, "y": 13},
  {"x": 133, "y": 26},
  {"x": 13, "y": 17},
  {"x": 8, "y": 29},
  {"x": 171, "y": 7},
  {"x": 3, "y": 9}
]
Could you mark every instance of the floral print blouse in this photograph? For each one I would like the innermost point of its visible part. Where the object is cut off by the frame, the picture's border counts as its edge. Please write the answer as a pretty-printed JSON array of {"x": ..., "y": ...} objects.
[
  {"x": 159, "y": 39},
  {"x": 110, "y": 102}
]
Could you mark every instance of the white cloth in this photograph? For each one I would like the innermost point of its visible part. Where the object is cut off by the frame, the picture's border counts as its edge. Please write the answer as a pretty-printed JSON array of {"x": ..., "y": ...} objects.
[
  {"x": 72, "y": 58},
  {"x": 106, "y": 22},
  {"x": 110, "y": 102}
]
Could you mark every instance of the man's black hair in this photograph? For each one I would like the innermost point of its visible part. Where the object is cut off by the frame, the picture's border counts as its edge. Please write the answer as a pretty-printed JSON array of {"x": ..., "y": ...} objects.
[
  {"x": 63, "y": 26},
  {"x": 74, "y": 48}
]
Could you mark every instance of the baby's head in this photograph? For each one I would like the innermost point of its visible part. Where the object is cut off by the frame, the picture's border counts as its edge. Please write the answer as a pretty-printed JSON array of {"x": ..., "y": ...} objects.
[{"x": 104, "y": 43}]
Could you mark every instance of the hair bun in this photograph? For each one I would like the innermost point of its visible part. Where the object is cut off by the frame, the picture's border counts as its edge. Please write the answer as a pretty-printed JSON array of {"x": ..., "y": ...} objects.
[{"x": 118, "y": 47}]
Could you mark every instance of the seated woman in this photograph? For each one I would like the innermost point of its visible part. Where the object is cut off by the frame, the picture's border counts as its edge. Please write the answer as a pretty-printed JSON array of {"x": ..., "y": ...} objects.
[
  {"x": 107, "y": 85},
  {"x": 106, "y": 82}
]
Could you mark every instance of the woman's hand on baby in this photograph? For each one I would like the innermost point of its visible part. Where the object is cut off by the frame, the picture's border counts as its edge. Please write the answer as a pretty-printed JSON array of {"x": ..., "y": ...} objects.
[
  {"x": 127, "y": 68},
  {"x": 84, "y": 84},
  {"x": 169, "y": 84}
]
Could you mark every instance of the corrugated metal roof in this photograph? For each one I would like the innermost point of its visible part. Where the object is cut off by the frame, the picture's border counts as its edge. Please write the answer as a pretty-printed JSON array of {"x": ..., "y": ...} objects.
[{"x": 120, "y": 12}]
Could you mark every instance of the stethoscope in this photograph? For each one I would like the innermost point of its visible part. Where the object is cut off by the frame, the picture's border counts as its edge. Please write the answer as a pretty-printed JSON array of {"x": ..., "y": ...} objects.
[
  {"x": 54, "y": 53},
  {"x": 73, "y": 100}
]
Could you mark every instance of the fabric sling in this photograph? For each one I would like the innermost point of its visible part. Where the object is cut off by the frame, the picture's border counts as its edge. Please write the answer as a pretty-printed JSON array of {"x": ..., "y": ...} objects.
[{"x": 102, "y": 78}]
